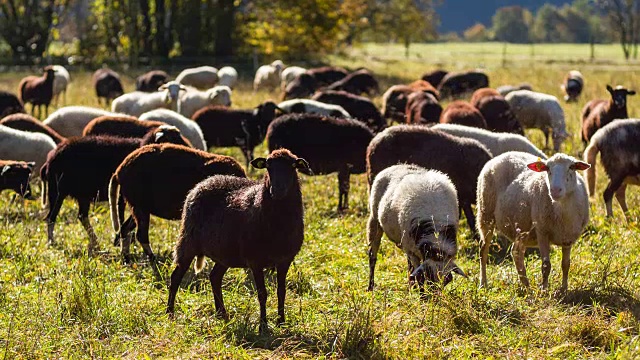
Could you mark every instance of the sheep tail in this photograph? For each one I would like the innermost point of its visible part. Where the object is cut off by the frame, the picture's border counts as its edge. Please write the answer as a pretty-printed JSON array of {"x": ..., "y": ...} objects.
[
  {"x": 44, "y": 193},
  {"x": 589, "y": 156},
  {"x": 199, "y": 264},
  {"x": 114, "y": 189}
]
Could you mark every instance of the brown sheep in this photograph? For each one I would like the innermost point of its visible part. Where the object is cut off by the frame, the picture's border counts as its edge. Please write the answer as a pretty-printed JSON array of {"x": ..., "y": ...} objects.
[
  {"x": 598, "y": 113},
  {"x": 394, "y": 102},
  {"x": 572, "y": 85},
  {"x": 434, "y": 77},
  {"x": 358, "y": 82},
  {"x": 119, "y": 125},
  {"x": 481, "y": 94},
  {"x": 151, "y": 81},
  {"x": 422, "y": 108},
  {"x": 107, "y": 84},
  {"x": 38, "y": 90},
  {"x": 15, "y": 175},
  {"x": 425, "y": 86},
  {"x": 28, "y": 123},
  {"x": 462, "y": 113},
  {"x": 9, "y": 104},
  {"x": 455, "y": 85},
  {"x": 499, "y": 116},
  {"x": 327, "y": 74}
]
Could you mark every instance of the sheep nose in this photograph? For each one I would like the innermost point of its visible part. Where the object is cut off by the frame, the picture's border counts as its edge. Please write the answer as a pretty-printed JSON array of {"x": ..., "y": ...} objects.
[{"x": 556, "y": 192}]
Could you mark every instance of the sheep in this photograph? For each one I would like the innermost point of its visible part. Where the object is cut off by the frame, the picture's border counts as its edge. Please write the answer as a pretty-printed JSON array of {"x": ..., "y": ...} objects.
[
  {"x": 173, "y": 170},
  {"x": 27, "y": 146},
  {"x": 598, "y": 113},
  {"x": 119, "y": 125},
  {"x": 462, "y": 113},
  {"x": 265, "y": 219},
  {"x": 303, "y": 85},
  {"x": 71, "y": 120},
  {"x": 61, "y": 81},
  {"x": 495, "y": 142},
  {"x": 434, "y": 77},
  {"x": 548, "y": 205},
  {"x": 572, "y": 86},
  {"x": 329, "y": 144},
  {"x": 192, "y": 101},
  {"x": 107, "y": 84},
  {"x": 358, "y": 107},
  {"x": 457, "y": 84},
  {"x": 482, "y": 93},
  {"x": 289, "y": 74},
  {"x": 425, "y": 86},
  {"x": 498, "y": 115},
  {"x": 9, "y": 104},
  {"x": 38, "y": 90},
  {"x": 358, "y": 82},
  {"x": 460, "y": 158},
  {"x": 223, "y": 127},
  {"x": 618, "y": 143},
  {"x": 327, "y": 75},
  {"x": 422, "y": 108},
  {"x": 151, "y": 80},
  {"x": 28, "y": 123},
  {"x": 137, "y": 102},
  {"x": 541, "y": 111},
  {"x": 227, "y": 76},
  {"x": 394, "y": 102},
  {"x": 418, "y": 210},
  {"x": 268, "y": 76},
  {"x": 15, "y": 175},
  {"x": 188, "y": 128},
  {"x": 203, "y": 77},
  {"x": 505, "y": 89},
  {"x": 308, "y": 106}
]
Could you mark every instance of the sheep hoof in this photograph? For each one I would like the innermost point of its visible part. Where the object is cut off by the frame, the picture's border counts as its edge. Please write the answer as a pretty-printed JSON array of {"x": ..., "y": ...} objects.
[
  {"x": 126, "y": 259},
  {"x": 264, "y": 328}
]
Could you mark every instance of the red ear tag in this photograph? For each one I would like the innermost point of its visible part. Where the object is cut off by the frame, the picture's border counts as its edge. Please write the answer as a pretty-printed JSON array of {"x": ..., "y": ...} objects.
[{"x": 538, "y": 166}]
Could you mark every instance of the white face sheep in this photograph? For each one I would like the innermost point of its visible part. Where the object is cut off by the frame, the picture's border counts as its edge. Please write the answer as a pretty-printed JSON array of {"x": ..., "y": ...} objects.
[
  {"x": 534, "y": 203},
  {"x": 194, "y": 100}
]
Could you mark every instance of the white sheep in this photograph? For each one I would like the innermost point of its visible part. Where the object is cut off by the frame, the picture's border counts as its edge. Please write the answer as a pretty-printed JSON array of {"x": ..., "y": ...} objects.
[
  {"x": 418, "y": 210},
  {"x": 268, "y": 76},
  {"x": 313, "y": 107},
  {"x": 194, "y": 100},
  {"x": 289, "y": 74},
  {"x": 61, "y": 81},
  {"x": 71, "y": 120},
  {"x": 187, "y": 127},
  {"x": 203, "y": 77},
  {"x": 534, "y": 203},
  {"x": 497, "y": 143},
  {"x": 137, "y": 103},
  {"x": 540, "y": 111},
  {"x": 27, "y": 146},
  {"x": 227, "y": 76}
]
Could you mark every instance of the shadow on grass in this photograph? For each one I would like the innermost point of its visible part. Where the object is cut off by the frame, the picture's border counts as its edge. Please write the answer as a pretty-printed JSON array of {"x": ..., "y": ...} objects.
[{"x": 614, "y": 299}]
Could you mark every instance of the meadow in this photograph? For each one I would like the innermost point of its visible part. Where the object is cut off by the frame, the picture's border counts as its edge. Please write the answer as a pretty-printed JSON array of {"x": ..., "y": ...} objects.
[{"x": 56, "y": 302}]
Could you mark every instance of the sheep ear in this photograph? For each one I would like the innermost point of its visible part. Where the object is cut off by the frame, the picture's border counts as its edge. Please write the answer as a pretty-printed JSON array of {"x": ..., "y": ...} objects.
[
  {"x": 609, "y": 88},
  {"x": 159, "y": 135},
  {"x": 631, "y": 92},
  {"x": 301, "y": 164},
  {"x": 162, "y": 87},
  {"x": 256, "y": 111},
  {"x": 579, "y": 165},
  {"x": 5, "y": 169},
  {"x": 31, "y": 164},
  {"x": 259, "y": 163},
  {"x": 538, "y": 166},
  {"x": 456, "y": 269}
]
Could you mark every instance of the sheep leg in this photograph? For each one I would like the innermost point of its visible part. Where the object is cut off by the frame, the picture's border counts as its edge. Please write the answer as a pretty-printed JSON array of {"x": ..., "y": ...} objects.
[
  {"x": 545, "y": 251},
  {"x": 566, "y": 263},
  {"x": 545, "y": 131},
  {"x": 83, "y": 216},
  {"x": 283, "y": 269},
  {"x": 215, "y": 277},
  {"x": 343, "y": 189},
  {"x": 471, "y": 220},
  {"x": 124, "y": 238},
  {"x": 258, "y": 278},
  {"x": 485, "y": 244},
  {"x": 142, "y": 234},
  {"x": 176, "y": 278},
  {"x": 518, "y": 258},
  {"x": 54, "y": 210},
  {"x": 612, "y": 187},
  {"x": 374, "y": 234},
  {"x": 622, "y": 200}
]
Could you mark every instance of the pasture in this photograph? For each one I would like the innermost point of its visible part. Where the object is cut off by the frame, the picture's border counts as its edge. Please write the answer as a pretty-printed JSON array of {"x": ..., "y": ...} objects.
[{"x": 55, "y": 302}]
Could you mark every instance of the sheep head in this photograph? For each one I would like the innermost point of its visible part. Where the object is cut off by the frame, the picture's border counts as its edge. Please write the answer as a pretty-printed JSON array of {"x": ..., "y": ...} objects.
[
  {"x": 16, "y": 176},
  {"x": 281, "y": 168},
  {"x": 619, "y": 95},
  {"x": 220, "y": 95},
  {"x": 561, "y": 174},
  {"x": 172, "y": 91}
]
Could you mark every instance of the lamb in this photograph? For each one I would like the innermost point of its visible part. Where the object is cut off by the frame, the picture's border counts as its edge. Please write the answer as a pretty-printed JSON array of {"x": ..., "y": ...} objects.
[
  {"x": 9, "y": 104},
  {"x": 71, "y": 120},
  {"x": 265, "y": 219},
  {"x": 422, "y": 108},
  {"x": 572, "y": 86},
  {"x": 618, "y": 143},
  {"x": 329, "y": 144},
  {"x": 418, "y": 210},
  {"x": 358, "y": 107},
  {"x": 358, "y": 82},
  {"x": 27, "y": 146},
  {"x": 15, "y": 175},
  {"x": 534, "y": 203},
  {"x": 327, "y": 75},
  {"x": 498, "y": 115},
  {"x": 28, "y": 123},
  {"x": 394, "y": 102},
  {"x": 192, "y": 101},
  {"x": 289, "y": 74},
  {"x": 188, "y": 128},
  {"x": 203, "y": 77},
  {"x": 434, "y": 77},
  {"x": 495, "y": 142},
  {"x": 227, "y": 76},
  {"x": 151, "y": 81},
  {"x": 462, "y": 113},
  {"x": 299, "y": 106},
  {"x": 107, "y": 84},
  {"x": 505, "y": 89},
  {"x": 137, "y": 102},
  {"x": 457, "y": 84},
  {"x": 61, "y": 81},
  {"x": 303, "y": 85},
  {"x": 598, "y": 113},
  {"x": 541, "y": 111},
  {"x": 223, "y": 127},
  {"x": 268, "y": 76},
  {"x": 460, "y": 158},
  {"x": 173, "y": 170},
  {"x": 38, "y": 90},
  {"x": 482, "y": 93}
]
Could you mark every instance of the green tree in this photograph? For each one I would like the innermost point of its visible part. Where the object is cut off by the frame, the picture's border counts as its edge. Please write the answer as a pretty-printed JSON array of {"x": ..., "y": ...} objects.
[
  {"x": 476, "y": 33},
  {"x": 407, "y": 21},
  {"x": 511, "y": 24},
  {"x": 549, "y": 26}
]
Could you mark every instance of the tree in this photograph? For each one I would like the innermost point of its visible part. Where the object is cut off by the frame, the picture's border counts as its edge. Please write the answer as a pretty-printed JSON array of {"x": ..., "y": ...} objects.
[
  {"x": 549, "y": 26},
  {"x": 623, "y": 16},
  {"x": 476, "y": 33},
  {"x": 407, "y": 21},
  {"x": 511, "y": 24}
]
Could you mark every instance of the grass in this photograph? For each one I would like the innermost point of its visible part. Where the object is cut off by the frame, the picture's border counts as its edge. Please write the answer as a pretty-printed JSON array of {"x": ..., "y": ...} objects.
[{"x": 55, "y": 302}]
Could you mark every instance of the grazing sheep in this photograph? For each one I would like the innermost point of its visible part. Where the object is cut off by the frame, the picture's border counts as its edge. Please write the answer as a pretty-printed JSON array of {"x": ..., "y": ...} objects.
[
  {"x": 457, "y": 84},
  {"x": 172, "y": 171},
  {"x": 359, "y": 107},
  {"x": 27, "y": 146},
  {"x": 497, "y": 143},
  {"x": 422, "y": 108},
  {"x": 572, "y": 85},
  {"x": 38, "y": 90},
  {"x": 425, "y": 86},
  {"x": 28, "y": 123},
  {"x": 61, "y": 81},
  {"x": 482, "y": 93},
  {"x": 227, "y": 76},
  {"x": 302, "y": 86},
  {"x": 434, "y": 77},
  {"x": 460, "y": 158},
  {"x": 224, "y": 127},
  {"x": 358, "y": 82},
  {"x": 151, "y": 81},
  {"x": 15, "y": 175},
  {"x": 9, "y": 104},
  {"x": 505, "y": 89},
  {"x": 327, "y": 75},
  {"x": 192, "y": 101},
  {"x": 71, "y": 120},
  {"x": 138, "y": 103},
  {"x": 264, "y": 219},
  {"x": 548, "y": 205},
  {"x": 203, "y": 77},
  {"x": 268, "y": 76},
  {"x": 107, "y": 84},
  {"x": 289, "y": 74},
  {"x": 462, "y": 113},
  {"x": 120, "y": 125},
  {"x": 329, "y": 144},
  {"x": 499, "y": 116},
  {"x": 308, "y": 106},
  {"x": 598, "y": 113},
  {"x": 418, "y": 210},
  {"x": 620, "y": 156},
  {"x": 188, "y": 128},
  {"x": 540, "y": 111},
  {"x": 394, "y": 102}
]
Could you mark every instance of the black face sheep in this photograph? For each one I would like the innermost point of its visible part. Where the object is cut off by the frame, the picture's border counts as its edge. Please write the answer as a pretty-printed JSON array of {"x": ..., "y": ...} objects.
[
  {"x": 28, "y": 123},
  {"x": 482, "y": 93},
  {"x": 418, "y": 210},
  {"x": 359, "y": 107},
  {"x": 327, "y": 75},
  {"x": 434, "y": 77},
  {"x": 461, "y": 159},
  {"x": 15, "y": 175},
  {"x": 534, "y": 203},
  {"x": 155, "y": 180},
  {"x": 358, "y": 82},
  {"x": 151, "y": 81},
  {"x": 38, "y": 90},
  {"x": 422, "y": 108},
  {"x": 457, "y": 84},
  {"x": 242, "y": 223},
  {"x": 302, "y": 86},
  {"x": 9, "y": 104},
  {"x": 462, "y": 113},
  {"x": 572, "y": 85},
  {"x": 107, "y": 84},
  {"x": 329, "y": 144},
  {"x": 224, "y": 127},
  {"x": 496, "y": 111},
  {"x": 598, "y": 113}
]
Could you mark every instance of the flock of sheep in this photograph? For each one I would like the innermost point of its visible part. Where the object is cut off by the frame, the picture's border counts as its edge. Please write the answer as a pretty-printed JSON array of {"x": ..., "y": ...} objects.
[{"x": 150, "y": 153}]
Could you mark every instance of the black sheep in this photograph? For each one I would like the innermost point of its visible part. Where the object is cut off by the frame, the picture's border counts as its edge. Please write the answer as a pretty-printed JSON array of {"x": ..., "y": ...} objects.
[
  {"x": 435, "y": 77},
  {"x": 15, "y": 175},
  {"x": 151, "y": 81},
  {"x": 498, "y": 115},
  {"x": 28, "y": 123},
  {"x": 598, "y": 113},
  {"x": 359, "y": 107},
  {"x": 302, "y": 86},
  {"x": 422, "y": 108},
  {"x": 358, "y": 82},
  {"x": 38, "y": 90},
  {"x": 9, "y": 104},
  {"x": 327, "y": 75},
  {"x": 119, "y": 125},
  {"x": 107, "y": 84},
  {"x": 457, "y": 84}
]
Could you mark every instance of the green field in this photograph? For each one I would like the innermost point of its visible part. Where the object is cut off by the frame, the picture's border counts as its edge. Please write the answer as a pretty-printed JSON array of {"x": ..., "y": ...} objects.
[{"x": 55, "y": 302}]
